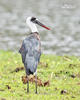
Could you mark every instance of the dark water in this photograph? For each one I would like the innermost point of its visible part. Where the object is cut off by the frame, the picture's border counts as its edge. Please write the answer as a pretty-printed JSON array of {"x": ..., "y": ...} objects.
[{"x": 62, "y": 16}]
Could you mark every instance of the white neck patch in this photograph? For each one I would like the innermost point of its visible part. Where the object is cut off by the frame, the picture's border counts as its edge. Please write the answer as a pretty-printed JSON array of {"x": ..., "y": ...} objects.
[{"x": 31, "y": 25}]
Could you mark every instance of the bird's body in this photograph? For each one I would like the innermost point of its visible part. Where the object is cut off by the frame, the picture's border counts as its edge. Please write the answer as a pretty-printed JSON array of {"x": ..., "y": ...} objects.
[
  {"x": 31, "y": 49},
  {"x": 30, "y": 52}
]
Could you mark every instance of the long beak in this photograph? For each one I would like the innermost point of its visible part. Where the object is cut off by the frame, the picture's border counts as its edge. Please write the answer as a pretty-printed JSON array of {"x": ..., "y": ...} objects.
[{"x": 39, "y": 23}]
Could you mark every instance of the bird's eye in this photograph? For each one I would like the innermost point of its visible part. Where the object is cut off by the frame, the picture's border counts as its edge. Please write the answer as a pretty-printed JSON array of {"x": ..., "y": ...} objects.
[{"x": 33, "y": 19}]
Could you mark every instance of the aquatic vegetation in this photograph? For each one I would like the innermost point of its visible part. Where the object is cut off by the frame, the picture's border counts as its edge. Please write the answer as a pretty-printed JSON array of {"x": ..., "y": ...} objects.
[{"x": 63, "y": 73}]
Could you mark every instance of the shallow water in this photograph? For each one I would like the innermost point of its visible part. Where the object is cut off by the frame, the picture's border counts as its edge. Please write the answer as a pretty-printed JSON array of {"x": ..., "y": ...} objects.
[{"x": 62, "y": 16}]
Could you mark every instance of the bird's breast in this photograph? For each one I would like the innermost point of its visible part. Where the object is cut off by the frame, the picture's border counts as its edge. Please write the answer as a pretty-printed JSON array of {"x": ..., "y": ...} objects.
[{"x": 38, "y": 43}]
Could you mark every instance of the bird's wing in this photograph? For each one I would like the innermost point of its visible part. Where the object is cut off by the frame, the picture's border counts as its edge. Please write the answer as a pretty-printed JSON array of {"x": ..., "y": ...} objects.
[
  {"x": 30, "y": 51},
  {"x": 32, "y": 56},
  {"x": 30, "y": 46},
  {"x": 24, "y": 49}
]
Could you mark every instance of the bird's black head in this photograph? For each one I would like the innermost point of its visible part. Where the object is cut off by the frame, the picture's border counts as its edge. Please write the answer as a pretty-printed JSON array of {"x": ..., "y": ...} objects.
[
  {"x": 33, "y": 19},
  {"x": 36, "y": 21}
]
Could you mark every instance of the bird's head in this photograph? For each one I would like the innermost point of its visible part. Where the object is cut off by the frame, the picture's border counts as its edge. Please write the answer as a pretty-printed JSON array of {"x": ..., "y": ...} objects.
[{"x": 31, "y": 21}]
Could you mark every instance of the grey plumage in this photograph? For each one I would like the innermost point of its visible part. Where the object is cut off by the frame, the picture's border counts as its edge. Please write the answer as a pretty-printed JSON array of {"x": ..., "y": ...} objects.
[{"x": 30, "y": 52}]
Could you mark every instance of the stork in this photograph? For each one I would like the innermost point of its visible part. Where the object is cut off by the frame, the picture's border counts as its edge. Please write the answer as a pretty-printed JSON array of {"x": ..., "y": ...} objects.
[{"x": 31, "y": 49}]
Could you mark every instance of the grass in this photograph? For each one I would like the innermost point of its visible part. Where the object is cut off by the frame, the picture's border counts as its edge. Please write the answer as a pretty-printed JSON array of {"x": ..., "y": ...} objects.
[{"x": 63, "y": 72}]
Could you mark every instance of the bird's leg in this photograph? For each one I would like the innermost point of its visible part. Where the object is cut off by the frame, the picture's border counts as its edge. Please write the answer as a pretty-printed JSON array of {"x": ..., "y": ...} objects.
[
  {"x": 27, "y": 84},
  {"x": 36, "y": 82}
]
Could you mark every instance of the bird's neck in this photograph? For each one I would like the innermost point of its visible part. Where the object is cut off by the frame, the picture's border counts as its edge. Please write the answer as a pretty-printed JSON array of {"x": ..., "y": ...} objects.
[
  {"x": 36, "y": 34},
  {"x": 32, "y": 26}
]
